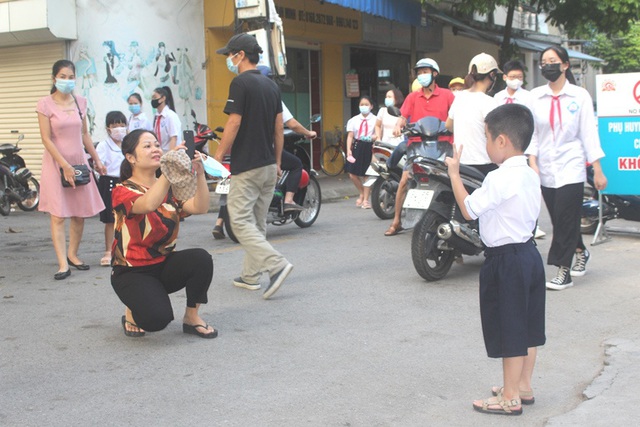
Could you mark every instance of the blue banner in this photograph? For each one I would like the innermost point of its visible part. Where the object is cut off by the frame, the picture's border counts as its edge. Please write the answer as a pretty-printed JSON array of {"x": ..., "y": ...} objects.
[{"x": 620, "y": 140}]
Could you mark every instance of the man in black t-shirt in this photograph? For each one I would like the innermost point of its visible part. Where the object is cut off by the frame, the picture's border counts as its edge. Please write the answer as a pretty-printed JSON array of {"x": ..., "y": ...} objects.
[{"x": 255, "y": 134}]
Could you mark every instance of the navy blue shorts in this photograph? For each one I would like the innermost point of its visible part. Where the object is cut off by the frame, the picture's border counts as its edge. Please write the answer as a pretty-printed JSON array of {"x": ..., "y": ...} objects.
[{"x": 512, "y": 299}]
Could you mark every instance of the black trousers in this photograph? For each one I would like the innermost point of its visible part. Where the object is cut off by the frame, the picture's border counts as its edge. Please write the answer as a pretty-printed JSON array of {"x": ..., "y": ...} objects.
[
  {"x": 564, "y": 205},
  {"x": 292, "y": 164},
  {"x": 145, "y": 290}
]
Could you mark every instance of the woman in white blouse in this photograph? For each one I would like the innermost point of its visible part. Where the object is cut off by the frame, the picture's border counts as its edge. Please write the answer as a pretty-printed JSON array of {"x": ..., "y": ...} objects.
[{"x": 564, "y": 141}]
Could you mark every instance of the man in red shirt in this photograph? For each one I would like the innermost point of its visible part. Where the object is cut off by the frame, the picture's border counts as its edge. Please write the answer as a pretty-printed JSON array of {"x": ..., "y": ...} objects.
[{"x": 431, "y": 101}]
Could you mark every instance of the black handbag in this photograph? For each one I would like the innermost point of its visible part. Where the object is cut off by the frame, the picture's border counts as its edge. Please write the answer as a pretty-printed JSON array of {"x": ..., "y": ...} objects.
[{"x": 82, "y": 175}]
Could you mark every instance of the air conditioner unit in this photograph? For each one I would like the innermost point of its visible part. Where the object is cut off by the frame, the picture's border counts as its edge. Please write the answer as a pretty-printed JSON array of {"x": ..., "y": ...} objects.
[{"x": 247, "y": 9}]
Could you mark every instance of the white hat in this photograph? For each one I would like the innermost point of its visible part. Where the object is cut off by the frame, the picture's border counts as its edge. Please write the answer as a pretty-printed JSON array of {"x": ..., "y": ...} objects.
[
  {"x": 427, "y": 63},
  {"x": 484, "y": 63}
]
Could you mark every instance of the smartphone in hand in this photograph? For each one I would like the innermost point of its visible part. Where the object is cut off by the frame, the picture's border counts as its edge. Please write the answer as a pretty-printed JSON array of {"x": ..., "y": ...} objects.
[{"x": 189, "y": 142}]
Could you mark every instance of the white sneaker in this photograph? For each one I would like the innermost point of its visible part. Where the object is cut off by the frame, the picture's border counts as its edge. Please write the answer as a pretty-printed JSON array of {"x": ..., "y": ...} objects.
[
  {"x": 561, "y": 281},
  {"x": 276, "y": 281},
  {"x": 539, "y": 233}
]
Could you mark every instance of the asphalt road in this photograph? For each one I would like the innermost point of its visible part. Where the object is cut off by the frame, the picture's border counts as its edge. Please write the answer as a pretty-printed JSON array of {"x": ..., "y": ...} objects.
[{"x": 354, "y": 337}]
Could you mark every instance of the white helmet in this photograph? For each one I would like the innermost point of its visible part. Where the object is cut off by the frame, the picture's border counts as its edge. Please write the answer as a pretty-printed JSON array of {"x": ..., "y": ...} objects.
[
  {"x": 427, "y": 63},
  {"x": 484, "y": 63}
]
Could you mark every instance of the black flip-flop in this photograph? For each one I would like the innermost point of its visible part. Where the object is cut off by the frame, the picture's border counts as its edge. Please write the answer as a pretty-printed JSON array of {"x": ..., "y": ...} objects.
[
  {"x": 193, "y": 330},
  {"x": 133, "y": 334}
]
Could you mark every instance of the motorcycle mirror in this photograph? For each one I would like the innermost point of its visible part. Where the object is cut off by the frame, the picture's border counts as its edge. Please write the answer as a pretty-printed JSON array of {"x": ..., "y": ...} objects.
[
  {"x": 394, "y": 111},
  {"x": 316, "y": 118},
  {"x": 21, "y": 137}
]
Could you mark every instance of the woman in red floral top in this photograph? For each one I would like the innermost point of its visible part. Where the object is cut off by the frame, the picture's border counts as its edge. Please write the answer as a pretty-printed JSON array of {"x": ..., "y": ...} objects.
[{"x": 146, "y": 266}]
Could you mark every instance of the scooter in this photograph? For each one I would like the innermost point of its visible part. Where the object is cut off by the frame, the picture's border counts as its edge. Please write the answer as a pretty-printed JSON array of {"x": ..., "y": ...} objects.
[
  {"x": 441, "y": 233},
  {"x": 308, "y": 195},
  {"x": 613, "y": 207},
  {"x": 383, "y": 181},
  {"x": 17, "y": 184}
]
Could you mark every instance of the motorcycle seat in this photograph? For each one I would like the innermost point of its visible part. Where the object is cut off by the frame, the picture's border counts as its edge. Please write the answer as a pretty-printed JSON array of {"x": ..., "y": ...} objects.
[
  {"x": 8, "y": 149},
  {"x": 471, "y": 172}
]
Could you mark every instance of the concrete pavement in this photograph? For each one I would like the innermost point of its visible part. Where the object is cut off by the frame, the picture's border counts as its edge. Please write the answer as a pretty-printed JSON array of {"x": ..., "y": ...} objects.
[{"x": 608, "y": 400}]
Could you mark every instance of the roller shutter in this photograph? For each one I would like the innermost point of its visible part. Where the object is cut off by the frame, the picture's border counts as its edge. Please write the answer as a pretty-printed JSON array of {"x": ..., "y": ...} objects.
[{"x": 25, "y": 77}]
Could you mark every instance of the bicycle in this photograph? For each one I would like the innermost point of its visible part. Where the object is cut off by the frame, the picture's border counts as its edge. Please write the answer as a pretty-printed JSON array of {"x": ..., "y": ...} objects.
[{"x": 333, "y": 157}]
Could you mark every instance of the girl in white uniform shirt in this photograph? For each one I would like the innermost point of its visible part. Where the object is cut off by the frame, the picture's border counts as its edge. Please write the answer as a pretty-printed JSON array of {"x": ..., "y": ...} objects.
[
  {"x": 166, "y": 123},
  {"x": 470, "y": 107},
  {"x": 111, "y": 156},
  {"x": 360, "y": 133},
  {"x": 565, "y": 139},
  {"x": 137, "y": 119},
  {"x": 386, "y": 123}
]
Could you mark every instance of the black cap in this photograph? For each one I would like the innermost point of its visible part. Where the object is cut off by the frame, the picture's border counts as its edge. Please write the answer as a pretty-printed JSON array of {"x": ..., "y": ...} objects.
[{"x": 245, "y": 42}]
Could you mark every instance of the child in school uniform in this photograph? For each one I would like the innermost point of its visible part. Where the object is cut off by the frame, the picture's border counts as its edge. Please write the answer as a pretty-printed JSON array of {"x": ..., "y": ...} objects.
[{"x": 512, "y": 281}]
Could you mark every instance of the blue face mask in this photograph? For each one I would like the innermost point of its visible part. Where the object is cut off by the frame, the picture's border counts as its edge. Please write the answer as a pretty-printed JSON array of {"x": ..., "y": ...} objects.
[
  {"x": 425, "y": 80},
  {"x": 134, "y": 108},
  {"x": 65, "y": 86},
  {"x": 230, "y": 65},
  {"x": 388, "y": 102},
  {"x": 365, "y": 109}
]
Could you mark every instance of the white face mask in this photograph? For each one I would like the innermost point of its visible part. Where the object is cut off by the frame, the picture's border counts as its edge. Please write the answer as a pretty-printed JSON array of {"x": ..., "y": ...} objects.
[
  {"x": 514, "y": 84},
  {"x": 118, "y": 134}
]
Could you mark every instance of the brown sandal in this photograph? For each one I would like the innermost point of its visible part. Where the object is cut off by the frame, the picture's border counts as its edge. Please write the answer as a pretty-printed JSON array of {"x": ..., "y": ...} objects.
[
  {"x": 506, "y": 407},
  {"x": 392, "y": 231},
  {"x": 526, "y": 397}
]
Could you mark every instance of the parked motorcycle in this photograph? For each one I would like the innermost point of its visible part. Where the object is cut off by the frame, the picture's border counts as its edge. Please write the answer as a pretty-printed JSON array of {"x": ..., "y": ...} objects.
[
  {"x": 383, "y": 181},
  {"x": 613, "y": 207},
  {"x": 308, "y": 195},
  {"x": 17, "y": 184},
  {"x": 441, "y": 233}
]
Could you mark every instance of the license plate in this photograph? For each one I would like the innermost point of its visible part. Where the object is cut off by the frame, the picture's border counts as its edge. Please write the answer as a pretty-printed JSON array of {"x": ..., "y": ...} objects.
[
  {"x": 223, "y": 187},
  {"x": 418, "y": 199},
  {"x": 369, "y": 182}
]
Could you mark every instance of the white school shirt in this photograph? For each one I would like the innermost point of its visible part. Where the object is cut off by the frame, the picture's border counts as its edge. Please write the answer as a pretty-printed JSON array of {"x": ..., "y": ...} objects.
[
  {"x": 520, "y": 96},
  {"x": 508, "y": 203},
  {"x": 139, "y": 122},
  {"x": 562, "y": 153},
  {"x": 286, "y": 114},
  {"x": 111, "y": 156},
  {"x": 357, "y": 123},
  {"x": 468, "y": 112},
  {"x": 170, "y": 125}
]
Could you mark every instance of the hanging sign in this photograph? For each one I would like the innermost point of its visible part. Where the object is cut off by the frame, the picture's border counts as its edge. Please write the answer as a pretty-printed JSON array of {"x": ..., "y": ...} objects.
[{"x": 352, "y": 85}]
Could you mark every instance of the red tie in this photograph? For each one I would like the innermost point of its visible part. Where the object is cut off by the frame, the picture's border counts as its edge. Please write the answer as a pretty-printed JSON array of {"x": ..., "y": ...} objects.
[
  {"x": 509, "y": 101},
  {"x": 156, "y": 127},
  {"x": 366, "y": 128},
  {"x": 555, "y": 101}
]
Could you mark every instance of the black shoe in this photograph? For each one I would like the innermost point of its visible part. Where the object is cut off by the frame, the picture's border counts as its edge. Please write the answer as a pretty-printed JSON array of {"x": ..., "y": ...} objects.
[
  {"x": 218, "y": 232},
  {"x": 82, "y": 266},
  {"x": 561, "y": 281},
  {"x": 193, "y": 330},
  {"x": 62, "y": 275},
  {"x": 276, "y": 281}
]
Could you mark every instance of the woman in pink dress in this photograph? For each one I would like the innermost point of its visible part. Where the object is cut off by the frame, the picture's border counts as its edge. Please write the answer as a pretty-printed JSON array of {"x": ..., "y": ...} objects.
[{"x": 63, "y": 129}]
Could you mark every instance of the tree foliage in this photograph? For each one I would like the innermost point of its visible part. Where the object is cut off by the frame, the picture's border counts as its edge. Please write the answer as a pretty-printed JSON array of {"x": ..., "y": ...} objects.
[{"x": 620, "y": 52}]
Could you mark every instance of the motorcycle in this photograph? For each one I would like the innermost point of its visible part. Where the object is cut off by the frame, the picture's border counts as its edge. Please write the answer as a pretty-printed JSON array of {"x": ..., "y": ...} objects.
[
  {"x": 383, "y": 182},
  {"x": 17, "y": 184},
  {"x": 441, "y": 233},
  {"x": 613, "y": 207},
  {"x": 308, "y": 195}
]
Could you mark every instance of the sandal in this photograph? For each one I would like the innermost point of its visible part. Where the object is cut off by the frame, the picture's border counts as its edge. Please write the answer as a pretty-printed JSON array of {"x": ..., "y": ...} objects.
[
  {"x": 105, "y": 261},
  {"x": 392, "y": 231},
  {"x": 526, "y": 397},
  {"x": 133, "y": 334},
  {"x": 193, "y": 329},
  {"x": 366, "y": 205},
  {"x": 505, "y": 407}
]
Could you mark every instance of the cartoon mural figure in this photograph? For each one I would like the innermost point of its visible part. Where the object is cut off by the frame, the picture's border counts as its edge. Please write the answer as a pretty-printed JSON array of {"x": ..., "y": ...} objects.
[
  {"x": 86, "y": 72},
  {"x": 112, "y": 61},
  {"x": 163, "y": 64},
  {"x": 139, "y": 75},
  {"x": 185, "y": 80}
]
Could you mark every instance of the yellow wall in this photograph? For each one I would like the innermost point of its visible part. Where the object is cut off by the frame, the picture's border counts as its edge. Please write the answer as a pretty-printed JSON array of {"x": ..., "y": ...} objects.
[
  {"x": 332, "y": 87},
  {"x": 219, "y": 13}
]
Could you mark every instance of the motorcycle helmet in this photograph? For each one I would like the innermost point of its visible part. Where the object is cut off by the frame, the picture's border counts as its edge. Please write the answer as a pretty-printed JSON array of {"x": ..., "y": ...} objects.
[
  {"x": 22, "y": 175},
  {"x": 427, "y": 63},
  {"x": 304, "y": 179},
  {"x": 484, "y": 63}
]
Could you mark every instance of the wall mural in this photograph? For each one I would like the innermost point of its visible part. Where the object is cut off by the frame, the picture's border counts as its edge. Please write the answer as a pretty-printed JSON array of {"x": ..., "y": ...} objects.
[{"x": 152, "y": 44}]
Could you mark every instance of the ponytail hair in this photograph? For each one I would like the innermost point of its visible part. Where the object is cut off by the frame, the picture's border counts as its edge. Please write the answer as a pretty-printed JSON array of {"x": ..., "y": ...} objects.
[
  {"x": 564, "y": 57},
  {"x": 166, "y": 92},
  {"x": 59, "y": 65},
  {"x": 128, "y": 146}
]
